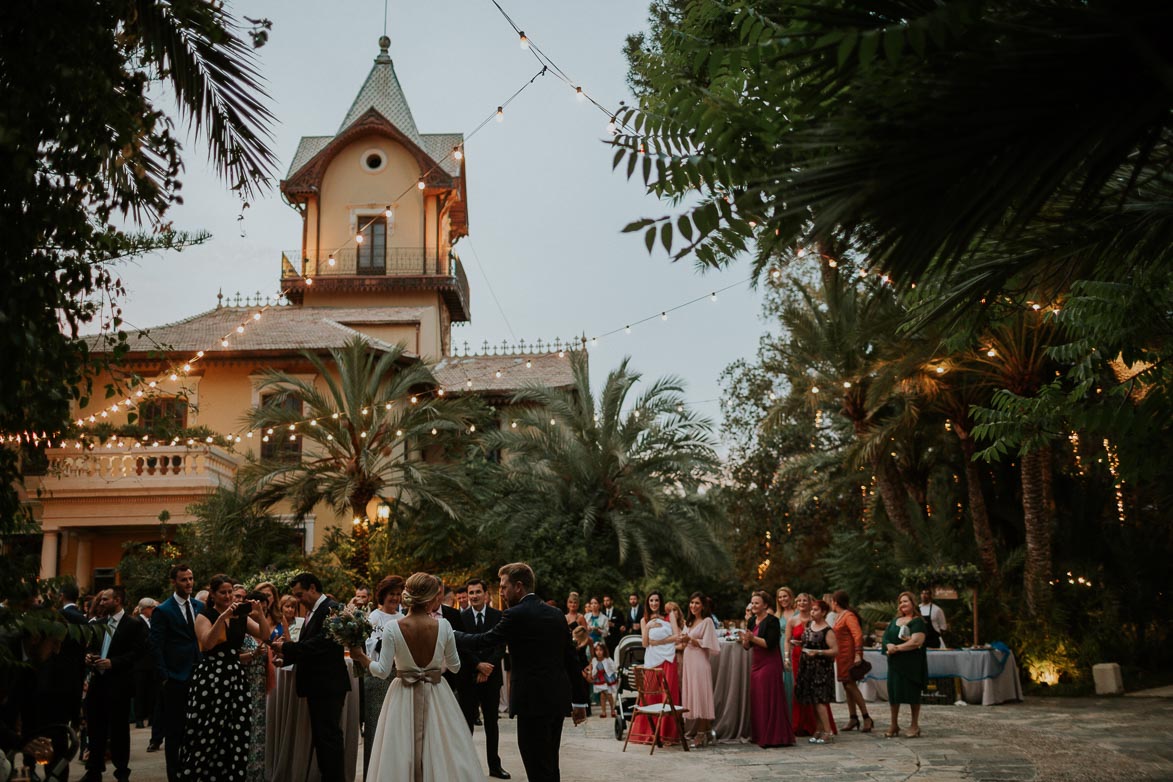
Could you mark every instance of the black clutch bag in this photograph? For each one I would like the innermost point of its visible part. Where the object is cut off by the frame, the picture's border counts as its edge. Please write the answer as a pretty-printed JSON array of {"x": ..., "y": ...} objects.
[{"x": 859, "y": 670}]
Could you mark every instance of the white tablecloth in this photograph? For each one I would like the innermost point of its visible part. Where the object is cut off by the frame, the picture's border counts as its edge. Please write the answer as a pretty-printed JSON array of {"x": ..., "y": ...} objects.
[
  {"x": 287, "y": 741},
  {"x": 983, "y": 680}
]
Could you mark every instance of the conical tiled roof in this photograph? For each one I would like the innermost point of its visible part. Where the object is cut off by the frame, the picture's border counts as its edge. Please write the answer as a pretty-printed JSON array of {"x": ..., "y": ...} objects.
[{"x": 382, "y": 92}]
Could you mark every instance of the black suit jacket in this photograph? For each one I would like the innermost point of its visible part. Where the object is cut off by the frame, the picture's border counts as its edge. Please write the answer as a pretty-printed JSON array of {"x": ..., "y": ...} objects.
[
  {"x": 321, "y": 664},
  {"x": 174, "y": 646},
  {"x": 626, "y": 621},
  {"x": 493, "y": 655},
  {"x": 128, "y": 644},
  {"x": 545, "y": 678}
]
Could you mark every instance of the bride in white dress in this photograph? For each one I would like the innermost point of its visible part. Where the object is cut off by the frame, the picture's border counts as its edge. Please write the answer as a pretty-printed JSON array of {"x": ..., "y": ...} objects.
[{"x": 422, "y": 735}]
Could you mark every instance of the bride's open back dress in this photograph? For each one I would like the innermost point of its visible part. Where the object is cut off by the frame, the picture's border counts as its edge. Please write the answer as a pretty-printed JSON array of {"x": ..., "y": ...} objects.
[{"x": 422, "y": 735}]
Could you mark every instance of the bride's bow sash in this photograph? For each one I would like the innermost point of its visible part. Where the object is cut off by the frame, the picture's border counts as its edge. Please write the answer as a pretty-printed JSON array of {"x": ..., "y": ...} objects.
[{"x": 412, "y": 680}]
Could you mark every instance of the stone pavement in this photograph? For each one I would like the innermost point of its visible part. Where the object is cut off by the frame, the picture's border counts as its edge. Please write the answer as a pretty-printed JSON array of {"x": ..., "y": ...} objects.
[{"x": 1060, "y": 739}]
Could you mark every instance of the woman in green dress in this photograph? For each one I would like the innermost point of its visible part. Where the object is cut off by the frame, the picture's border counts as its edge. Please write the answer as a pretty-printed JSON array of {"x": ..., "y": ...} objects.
[{"x": 908, "y": 667}]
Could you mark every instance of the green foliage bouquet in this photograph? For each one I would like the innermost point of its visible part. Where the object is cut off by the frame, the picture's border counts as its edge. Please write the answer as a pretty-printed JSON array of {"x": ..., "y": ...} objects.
[{"x": 348, "y": 628}]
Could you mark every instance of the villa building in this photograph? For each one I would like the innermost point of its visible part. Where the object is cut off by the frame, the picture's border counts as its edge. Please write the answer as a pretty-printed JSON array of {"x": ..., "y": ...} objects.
[{"x": 383, "y": 207}]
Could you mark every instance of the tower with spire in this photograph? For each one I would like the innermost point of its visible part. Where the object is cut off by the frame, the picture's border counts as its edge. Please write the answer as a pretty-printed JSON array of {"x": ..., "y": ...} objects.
[{"x": 382, "y": 207}]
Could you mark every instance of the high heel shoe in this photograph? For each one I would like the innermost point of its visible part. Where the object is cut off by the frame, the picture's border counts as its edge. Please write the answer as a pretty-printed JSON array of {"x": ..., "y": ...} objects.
[
  {"x": 852, "y": 724},
  {"x": 818, "y": 738},
  {"x": 892, "y": 732},
  {"x": 868, "y": 724},
  {"x": 913, "y": 734}
]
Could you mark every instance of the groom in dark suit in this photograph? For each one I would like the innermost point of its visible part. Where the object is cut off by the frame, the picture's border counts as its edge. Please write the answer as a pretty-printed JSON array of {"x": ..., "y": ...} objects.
[
  {"x": 546, "y": 683},
  {"x": 176, "y": 651},
  {"x": 322, "y": 678},
  {"x": 480, "y": 674}
]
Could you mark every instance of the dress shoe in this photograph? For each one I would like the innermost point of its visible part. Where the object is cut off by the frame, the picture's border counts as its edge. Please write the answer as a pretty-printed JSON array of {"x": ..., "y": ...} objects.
[
  {"x": 153, "y": 747},
  {"x": 500, "y": 773},
  {"x": 139, "y": 725}
]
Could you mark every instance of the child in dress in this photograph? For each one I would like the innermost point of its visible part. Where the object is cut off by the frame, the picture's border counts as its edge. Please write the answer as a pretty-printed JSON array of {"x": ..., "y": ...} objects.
[{"x": 604, "y": 680}]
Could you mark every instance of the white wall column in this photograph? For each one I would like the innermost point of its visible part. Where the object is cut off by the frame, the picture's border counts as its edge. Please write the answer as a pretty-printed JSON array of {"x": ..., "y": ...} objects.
[{"x": 49, "y": 554}]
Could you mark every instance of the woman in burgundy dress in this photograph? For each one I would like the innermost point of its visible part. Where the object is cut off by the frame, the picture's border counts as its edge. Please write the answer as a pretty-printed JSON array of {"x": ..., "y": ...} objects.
[{"x": 767, "y": 698}]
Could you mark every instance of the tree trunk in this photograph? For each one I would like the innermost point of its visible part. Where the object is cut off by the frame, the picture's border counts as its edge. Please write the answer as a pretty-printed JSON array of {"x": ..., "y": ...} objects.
[
  {"x": 978, "y": 512},
  {"x": 1037, "y": 574},
  {"x": 893, "y": 495}
]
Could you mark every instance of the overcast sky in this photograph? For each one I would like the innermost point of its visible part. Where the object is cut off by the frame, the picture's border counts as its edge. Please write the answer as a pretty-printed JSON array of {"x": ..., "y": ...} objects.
[{"x": 545, "y": 209}]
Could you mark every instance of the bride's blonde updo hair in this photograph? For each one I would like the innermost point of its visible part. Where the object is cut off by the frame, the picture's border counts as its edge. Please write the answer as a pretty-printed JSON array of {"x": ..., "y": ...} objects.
[{"x": 420, "y": 590}]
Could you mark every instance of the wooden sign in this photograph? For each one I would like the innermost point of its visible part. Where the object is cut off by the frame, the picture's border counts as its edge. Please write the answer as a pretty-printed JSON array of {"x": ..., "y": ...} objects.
[{"x": 944, "y": 593}]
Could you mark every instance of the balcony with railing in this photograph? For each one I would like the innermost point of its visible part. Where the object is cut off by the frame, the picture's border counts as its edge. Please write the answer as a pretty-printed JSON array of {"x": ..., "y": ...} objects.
[
  {"x": 128, "y": 469},
  {"x": 378, "y": 269}
]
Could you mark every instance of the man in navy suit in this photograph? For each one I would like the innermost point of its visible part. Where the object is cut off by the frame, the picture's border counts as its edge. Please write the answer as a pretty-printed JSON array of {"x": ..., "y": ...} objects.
[
  {"x": 322, "y": 678},
  {"x": 176, "y": 651},
  {"x": 480, "y": 674},
  {"x": 112, "y": 659},
  {"x": 546, "y": 683}
]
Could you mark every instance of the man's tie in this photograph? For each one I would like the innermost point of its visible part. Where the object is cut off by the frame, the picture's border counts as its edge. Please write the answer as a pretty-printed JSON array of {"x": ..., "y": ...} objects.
[
  {"x": 190, "y": 618},
  {"x": 112, "y": 625},
  {"x": 480, "y": 623}
]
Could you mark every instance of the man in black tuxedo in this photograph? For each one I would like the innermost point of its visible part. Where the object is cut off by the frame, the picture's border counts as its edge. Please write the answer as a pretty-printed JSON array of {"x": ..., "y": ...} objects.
[
  {"x": 112, "y": 658},
  {"x": 633, "y": 615},
  {"x": 614, "y": 623},
  {"x": 322, "y": 678},
  {"x": 480, "y": 674},
  {"x": 546, "y": 681},
  {"x": 176, "y": 651}
]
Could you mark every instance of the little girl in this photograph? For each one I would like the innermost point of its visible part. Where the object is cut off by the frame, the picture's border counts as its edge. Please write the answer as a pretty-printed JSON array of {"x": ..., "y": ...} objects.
[{"x": 604, "y": 680}]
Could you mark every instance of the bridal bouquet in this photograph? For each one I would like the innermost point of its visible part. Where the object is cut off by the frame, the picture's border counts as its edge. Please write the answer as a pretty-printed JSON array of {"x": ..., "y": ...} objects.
[{"x": 348, "y": 628}]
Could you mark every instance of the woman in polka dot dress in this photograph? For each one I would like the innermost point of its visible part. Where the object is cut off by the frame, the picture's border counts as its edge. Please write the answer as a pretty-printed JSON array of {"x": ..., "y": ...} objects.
[{"x": 216, "y": 740}]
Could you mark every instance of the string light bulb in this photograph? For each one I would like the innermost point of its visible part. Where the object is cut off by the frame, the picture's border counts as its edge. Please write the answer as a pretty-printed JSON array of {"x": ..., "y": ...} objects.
[
  {"x": 420, "y": 184},
  {"x": 991, "y": 353},
  {"x": 309, "y": 280},
  {"x": 500, "y": 113},
  {"x": 523, "y": 41},
  {"x": 611, "y": 126},
  {"x": 457, "y": 153},
  {"x": 579, "y": 93},
  {"x": 627, "y": 329},
  {"x": 331, "y": 260},
  {"x": 358, "y": 238},
  {"x": 713, "y": 296},
  {"x": 664, "y": 315},
  {"x": 387, "y": 211}
]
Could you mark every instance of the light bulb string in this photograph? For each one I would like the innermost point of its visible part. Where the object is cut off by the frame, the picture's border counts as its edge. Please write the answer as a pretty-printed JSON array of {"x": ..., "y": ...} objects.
[{"x": 439, "y": 163}]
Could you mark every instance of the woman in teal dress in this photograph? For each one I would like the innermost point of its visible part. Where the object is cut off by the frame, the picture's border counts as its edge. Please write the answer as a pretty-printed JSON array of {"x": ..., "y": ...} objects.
[
  {"x": 784, "y": 609},
  {"x": 908, "y": 667}
]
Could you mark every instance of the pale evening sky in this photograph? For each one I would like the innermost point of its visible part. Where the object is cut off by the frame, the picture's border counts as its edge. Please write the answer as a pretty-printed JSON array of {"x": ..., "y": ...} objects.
[{"x": 545, "y": 208}]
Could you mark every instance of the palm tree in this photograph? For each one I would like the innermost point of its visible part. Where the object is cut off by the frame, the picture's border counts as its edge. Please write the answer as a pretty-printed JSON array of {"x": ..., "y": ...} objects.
[
  {"x": 631, "y": 472},
  {"x": 365, "y": 432}
]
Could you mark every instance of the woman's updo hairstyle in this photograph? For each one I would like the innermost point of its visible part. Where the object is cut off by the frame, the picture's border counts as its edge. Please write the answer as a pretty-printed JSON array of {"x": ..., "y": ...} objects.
[{"x": 420, "y": 590}]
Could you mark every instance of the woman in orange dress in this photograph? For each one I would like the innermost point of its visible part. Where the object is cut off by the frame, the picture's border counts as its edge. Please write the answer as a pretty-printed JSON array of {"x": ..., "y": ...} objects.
[
  {"x": 849, "y": 635},
  {"x": 804, "y": 719}
]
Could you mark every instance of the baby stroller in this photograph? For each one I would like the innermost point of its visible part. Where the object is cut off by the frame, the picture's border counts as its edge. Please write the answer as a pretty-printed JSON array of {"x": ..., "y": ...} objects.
[{"x": 629, "y": 652}]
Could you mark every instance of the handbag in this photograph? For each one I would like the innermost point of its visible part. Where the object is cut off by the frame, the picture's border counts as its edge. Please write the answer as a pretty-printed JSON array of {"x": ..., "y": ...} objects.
[{"x": 859, "y": 670}]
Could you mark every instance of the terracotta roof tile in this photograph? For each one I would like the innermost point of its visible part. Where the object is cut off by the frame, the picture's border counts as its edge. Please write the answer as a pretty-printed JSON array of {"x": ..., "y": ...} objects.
[
  {"x": 290, "y": 328},
  {"x": 546, "y": 369}
]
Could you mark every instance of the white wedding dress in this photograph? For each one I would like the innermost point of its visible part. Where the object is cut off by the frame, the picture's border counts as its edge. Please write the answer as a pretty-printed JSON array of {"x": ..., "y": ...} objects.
[{"x": 446, "y": 751}]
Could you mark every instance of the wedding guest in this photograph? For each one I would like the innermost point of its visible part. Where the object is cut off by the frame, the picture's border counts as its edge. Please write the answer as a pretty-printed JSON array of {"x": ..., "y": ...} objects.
[
  {"x": 202, "y": 596},
  {"x": 596, "y": 622},
  {"x": 784, "y": 609},
  {"x": 696, "y": 680},
  {"x": 849, "y": 640},
  {"x": 604, "y": 677},
  {"x": 272, "y": 609},
  {"x": 770, "y": 724},
  {"x": 831, "y": 617},
  {"x": 219, "y": 716},
  {"x": 573, "y": 617},
  {"x": 659, "y": 639},
  {"x": 321, "y": 675},
  {"x": 112, "y": 658},
  {"x": 803, "y": 717},
  {"x": 177, "y": 651},
  {"x": 254, "y": 659},
  {"x": 388, "y": 595},
  {"x": 908, "y": 667},
  {"x": 481, "y": 678},
  {"x": 362, "y": 596},
  {"x": 935, "y": 624},
  {"x": 614, "y": 623},
  {"x": 290, "y": 621},
  {"x": 146, "y": 680},
  {"x": 462, "y": 597},
  {"x": 815, "y": 684},
  {"x": 633, "y": 616}
]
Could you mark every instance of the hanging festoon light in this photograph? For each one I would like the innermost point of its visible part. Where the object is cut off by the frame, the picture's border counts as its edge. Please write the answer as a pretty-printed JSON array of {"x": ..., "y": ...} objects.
[
  {"x": 523, "y": 41},
  {"x": 420, "y": 184},
  {"x": 457, "y": 153},
  {"x": 500, "y": 114},
  {"x": 611, "y": 128},
  {"x": 358, "y": 238},
  {"x": 579, "y": 93}
]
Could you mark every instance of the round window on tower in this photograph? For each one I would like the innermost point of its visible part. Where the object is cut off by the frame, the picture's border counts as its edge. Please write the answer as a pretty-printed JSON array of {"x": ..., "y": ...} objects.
[{"x": 373, "y": 161}]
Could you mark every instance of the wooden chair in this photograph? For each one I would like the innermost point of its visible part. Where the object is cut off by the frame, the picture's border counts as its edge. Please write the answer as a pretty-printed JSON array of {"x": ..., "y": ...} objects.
[{"x": 651, "y": 683}]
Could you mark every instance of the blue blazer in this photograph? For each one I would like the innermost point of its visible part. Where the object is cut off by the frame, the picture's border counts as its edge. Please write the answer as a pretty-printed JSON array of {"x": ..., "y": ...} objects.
[{"x": 173, "y": 642}]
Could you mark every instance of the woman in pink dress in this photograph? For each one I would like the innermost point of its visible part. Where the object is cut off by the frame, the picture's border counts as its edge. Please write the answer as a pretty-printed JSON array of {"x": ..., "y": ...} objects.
[
  {"x": 804, "y": 719},
  {"x": 660, "y": 635},
  {"x": 770, "y": 724},
  {"x": 696, "y": 689}
]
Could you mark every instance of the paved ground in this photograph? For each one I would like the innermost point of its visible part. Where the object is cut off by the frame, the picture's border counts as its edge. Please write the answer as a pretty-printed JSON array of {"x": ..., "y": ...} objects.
[{"x": 1061, "y": 739}]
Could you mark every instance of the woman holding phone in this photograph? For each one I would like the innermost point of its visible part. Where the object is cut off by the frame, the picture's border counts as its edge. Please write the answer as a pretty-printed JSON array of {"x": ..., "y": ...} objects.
[{"x": 216, "y": 741}]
